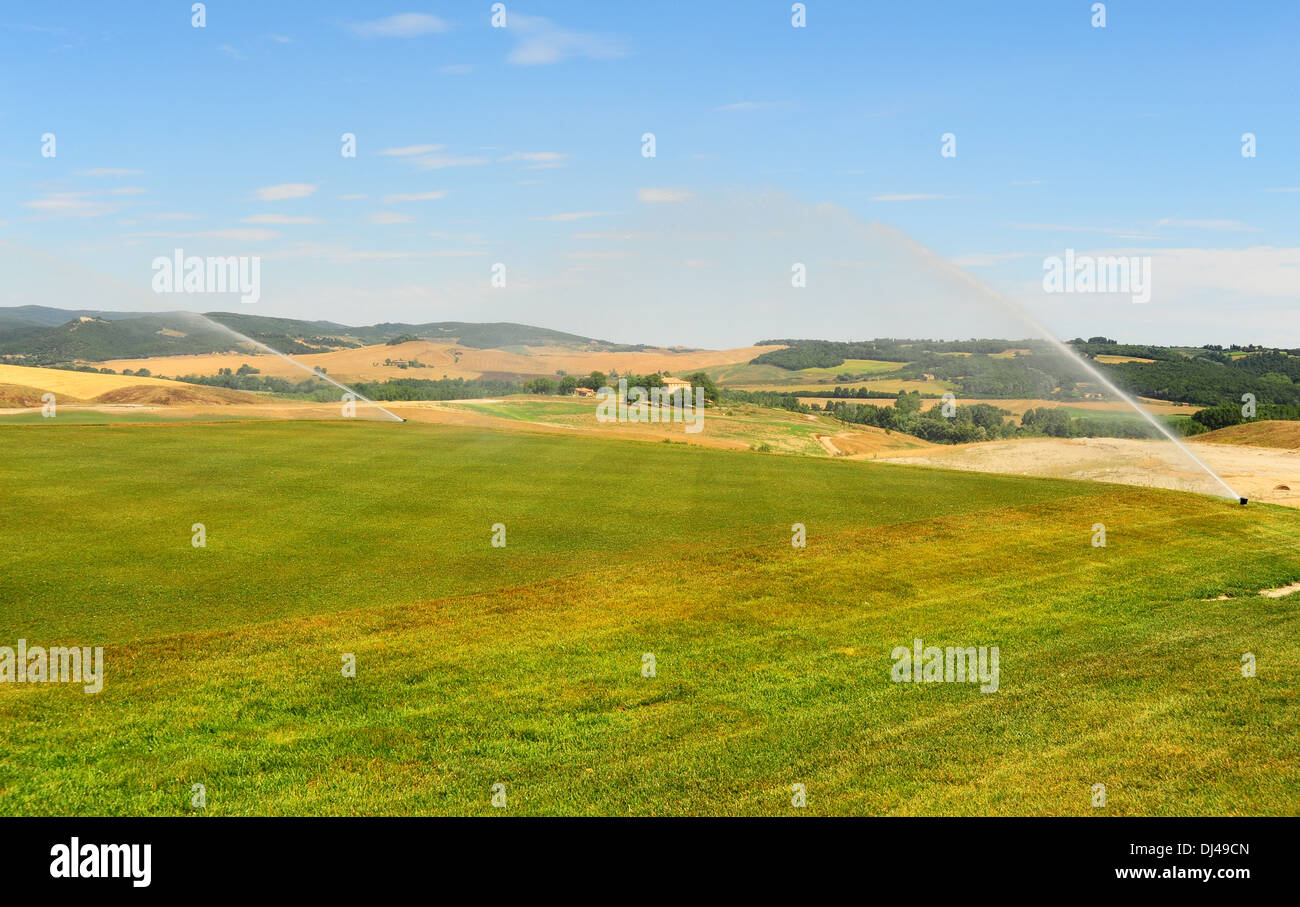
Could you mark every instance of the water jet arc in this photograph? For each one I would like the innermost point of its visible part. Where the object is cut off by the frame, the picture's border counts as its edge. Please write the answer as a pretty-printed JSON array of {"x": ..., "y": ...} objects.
[
  {"x": 1010, "y": 306},
  {"x": 315, "y": 373}
]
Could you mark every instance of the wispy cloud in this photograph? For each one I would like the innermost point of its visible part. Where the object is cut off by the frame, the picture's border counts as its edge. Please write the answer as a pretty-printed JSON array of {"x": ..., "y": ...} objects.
[
  {"x": 285, "y": 191},
  {"x": 542, "y": 42},
  {"x": 81, "y": 203},
  {"x": 409, "y": 150},
  {"x": 108, "y": 171},
  {"x": 403, "y": 25},
  {"x": 70, "y": 204},
  {"x": 414, "y": 197},
  {"x": 596, "y": 256},
  {"x": 242, "y": 235},
  {"x": 661, "y": 196},
  {"x": 570, "y": 216},
  {"x": 1121, "y": 232},
  {"x": 230, "y": 51},
  {"x": 441, "y": 161},
  {"x": 1229, "y": 226},
  {"x": 748, "y": 105},
  {"x": 467, "y": 237},
  {"x": 382, "y": 255},
  {"x": 279, "y": 219},
  {"x": 384, "y": 218},
  {"x": 981, "y": 260},
  {"x": 537, "y": 160},
  {"x": 910, "y": 197}
]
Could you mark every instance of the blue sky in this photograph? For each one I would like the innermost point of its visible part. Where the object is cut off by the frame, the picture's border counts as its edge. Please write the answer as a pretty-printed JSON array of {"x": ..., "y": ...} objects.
[{"x": 522, "y": 146}]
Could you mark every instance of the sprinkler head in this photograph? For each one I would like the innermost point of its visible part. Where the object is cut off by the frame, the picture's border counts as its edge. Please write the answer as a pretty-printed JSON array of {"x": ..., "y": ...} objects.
[{"x": 1243, "y": 501}]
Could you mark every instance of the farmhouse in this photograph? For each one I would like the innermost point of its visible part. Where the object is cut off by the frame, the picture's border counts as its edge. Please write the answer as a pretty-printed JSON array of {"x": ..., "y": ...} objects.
[{"x": 673, "y": 384}]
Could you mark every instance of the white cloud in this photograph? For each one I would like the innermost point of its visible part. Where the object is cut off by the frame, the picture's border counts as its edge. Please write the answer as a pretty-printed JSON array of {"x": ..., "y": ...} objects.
[
  {"x": 1231, "y": 226},
  {"x": 70, "y": 204},
  {"x": 468, "y": 237},
  {"x": 748, "y": 105},
  {"x": 227, "y": 49},
  {"x": 660, "y": 196},
  {"x": 909, "y": 197},
  {"x": 542, "y": 42},
  {"x": 108, "y": 171},
  {"x": 569, "y": 216},
  {"x": 1254, "y": 271},
  {"x": 440, "y": 161},
  {"x": 285, "y": 191},
  {"x": 389, "y": 217},
  {"x": 399, "y": 256},
  {"x": 981, "y": 260},
  {"x": 279, "y": 219},
  {"x": 538, "y": 160},
  {"x": 408, "y": 150},
  {"x": 403, "y": 25},
  {"x": 242, "y": 235},
  {"x": 414, "y": 197},
  {"x": 1118, "y": 232},
  {"x": 614, "y": 236}
]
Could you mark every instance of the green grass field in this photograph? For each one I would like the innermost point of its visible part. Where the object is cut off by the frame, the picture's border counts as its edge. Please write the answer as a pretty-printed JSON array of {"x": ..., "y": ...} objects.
[{"x": 522, "y": 665}]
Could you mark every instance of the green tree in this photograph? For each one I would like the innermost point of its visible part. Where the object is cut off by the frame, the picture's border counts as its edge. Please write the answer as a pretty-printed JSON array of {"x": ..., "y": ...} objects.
[{"x": 700, "y": 379}]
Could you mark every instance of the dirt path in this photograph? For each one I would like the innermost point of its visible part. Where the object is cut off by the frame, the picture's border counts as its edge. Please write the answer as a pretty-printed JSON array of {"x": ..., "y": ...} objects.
[{"x": 828, "y": 444}]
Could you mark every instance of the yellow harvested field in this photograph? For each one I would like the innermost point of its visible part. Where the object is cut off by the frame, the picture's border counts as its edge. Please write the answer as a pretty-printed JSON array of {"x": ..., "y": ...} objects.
[
  {"x": 444, "y": 359},
  {"x": 1111, "y": 360},
  {"x": 78, "y": 385},
  {"x": 1269, "y": 433}
]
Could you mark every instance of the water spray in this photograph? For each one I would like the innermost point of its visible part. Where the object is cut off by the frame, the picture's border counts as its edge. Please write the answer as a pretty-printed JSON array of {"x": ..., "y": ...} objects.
[
  {"x": 316, "y": 373},
  {"x": 1015, "y": 310}
]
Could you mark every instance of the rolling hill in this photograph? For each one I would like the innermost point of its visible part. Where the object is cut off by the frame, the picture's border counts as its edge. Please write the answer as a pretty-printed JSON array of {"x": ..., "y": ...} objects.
[{"x": 36, "y": 335}]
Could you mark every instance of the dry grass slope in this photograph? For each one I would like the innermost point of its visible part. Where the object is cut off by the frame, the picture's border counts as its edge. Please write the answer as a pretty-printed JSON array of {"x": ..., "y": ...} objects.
[{"x": 1285, "y": 435}]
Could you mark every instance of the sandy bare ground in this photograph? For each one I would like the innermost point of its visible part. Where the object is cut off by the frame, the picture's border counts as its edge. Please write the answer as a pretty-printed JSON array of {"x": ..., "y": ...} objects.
[{"x": 1254, "y": 472}]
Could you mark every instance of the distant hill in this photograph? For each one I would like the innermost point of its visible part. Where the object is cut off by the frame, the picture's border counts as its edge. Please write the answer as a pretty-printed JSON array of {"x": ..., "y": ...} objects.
[
  {"x": 44, "y": 316},
  {"x": 1033, "y": 368},
  {"x": 38, "y": 335}
]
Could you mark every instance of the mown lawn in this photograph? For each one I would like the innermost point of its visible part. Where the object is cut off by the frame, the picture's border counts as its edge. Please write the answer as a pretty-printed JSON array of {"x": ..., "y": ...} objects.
[{"x": 522, "y": 665}]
